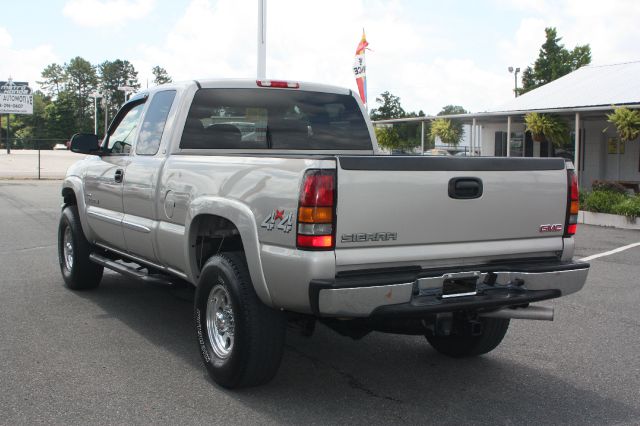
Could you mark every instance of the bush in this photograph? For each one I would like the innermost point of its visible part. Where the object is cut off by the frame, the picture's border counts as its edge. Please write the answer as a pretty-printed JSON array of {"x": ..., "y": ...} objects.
[
  {"x": 603, "y": 201},
  {"x": 629, "y": 207},
  {"x": 607, "y": 185}
]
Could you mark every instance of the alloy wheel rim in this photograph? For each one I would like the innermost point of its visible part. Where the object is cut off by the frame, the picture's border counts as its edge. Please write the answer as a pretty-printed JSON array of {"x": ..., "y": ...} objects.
[
  {"x": 67, "y": 248},
  {"x": 220, "y": 321}
]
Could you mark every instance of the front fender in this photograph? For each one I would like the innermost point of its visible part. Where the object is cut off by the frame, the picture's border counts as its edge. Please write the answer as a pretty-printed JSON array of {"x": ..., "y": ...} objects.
[
  {"x": 75, "y": 184},
  {"x": 242, "y": 217}
]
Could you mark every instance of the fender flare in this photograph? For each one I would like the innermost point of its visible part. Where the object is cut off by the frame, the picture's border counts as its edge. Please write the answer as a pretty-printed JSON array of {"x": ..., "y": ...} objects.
[
  {"x": 242, "y": 217},
  {"x": 75, "y": 184}
]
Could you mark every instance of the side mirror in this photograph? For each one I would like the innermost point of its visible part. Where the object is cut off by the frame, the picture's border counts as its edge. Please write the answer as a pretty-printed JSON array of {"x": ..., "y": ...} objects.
[{"x": 85, "y": 143}]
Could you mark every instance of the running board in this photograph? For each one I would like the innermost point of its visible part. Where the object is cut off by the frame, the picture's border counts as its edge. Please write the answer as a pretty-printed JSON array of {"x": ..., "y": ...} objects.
[{"x": 129, "y": 271}]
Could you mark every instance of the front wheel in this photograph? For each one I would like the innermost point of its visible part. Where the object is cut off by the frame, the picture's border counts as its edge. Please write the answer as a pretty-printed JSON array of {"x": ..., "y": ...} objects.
[
  {"x": 78, "y": 271},
  {"x": 463, "y": 344},
  {"x": 241, "y": 340}
]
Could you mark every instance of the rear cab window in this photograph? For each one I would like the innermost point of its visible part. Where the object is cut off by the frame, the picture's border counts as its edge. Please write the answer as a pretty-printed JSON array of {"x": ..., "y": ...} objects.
[{"x": 274, "y": 119}]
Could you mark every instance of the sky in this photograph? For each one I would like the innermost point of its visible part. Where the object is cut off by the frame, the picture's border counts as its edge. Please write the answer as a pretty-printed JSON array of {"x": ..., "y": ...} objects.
[{"x": 429, "y": 53}]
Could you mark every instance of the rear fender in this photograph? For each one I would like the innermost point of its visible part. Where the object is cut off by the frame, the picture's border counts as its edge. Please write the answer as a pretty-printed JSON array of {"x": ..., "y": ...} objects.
[{"x": 242, "y": 217}]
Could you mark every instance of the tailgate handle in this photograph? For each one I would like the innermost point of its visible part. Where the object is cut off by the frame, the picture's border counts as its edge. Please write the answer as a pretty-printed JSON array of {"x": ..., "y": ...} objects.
[{"x": 465, "y": 188}]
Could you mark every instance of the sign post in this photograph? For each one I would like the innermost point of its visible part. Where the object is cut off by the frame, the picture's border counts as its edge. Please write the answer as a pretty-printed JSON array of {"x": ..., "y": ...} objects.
[
  {"x": 127, "y": 90},
  {"x": 15, "y": 98}
]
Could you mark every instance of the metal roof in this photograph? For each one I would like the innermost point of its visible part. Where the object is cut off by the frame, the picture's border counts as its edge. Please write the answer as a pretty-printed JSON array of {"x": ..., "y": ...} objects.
[{"x": 589, "y": 86}]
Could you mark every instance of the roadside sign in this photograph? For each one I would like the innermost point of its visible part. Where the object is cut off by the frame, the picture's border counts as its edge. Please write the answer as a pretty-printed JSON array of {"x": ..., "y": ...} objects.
[{"x": 15, "y": 97}]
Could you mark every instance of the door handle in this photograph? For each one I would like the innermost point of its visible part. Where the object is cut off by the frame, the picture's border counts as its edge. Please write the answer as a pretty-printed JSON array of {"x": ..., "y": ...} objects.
[
  {"x": 119, "y": 175},
  {"x": 465, "y": 188}
]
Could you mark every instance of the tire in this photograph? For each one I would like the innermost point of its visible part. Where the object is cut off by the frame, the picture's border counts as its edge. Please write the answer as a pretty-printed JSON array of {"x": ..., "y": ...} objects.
[
  {"x": 241, "y": 340},
  {"x": 78, "y": 271},
  {"x": 460, "y": 345}
]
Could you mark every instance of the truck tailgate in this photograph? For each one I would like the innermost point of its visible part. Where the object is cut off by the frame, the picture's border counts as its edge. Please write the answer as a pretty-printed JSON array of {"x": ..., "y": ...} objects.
[{"x": 437, "y": 208}]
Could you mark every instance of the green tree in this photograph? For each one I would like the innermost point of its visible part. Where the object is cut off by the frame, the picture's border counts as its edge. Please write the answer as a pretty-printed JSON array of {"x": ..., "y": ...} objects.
[
  {"x": 27, "y": 127},
  {"x": 161, "y": 76},
  {"x": 627, "y": 123},
  {"x": 114, "y": 74},
  {"x": 60, "y": 118},
  {"x": 81, "y": 81},
  {"x": 53, "y": 79},
  {"x": 554, "y": 61},
  {"x": 401, "y": 136},
  {"x": 389, "y": 107},
  {"x": 454, "y": 129}
]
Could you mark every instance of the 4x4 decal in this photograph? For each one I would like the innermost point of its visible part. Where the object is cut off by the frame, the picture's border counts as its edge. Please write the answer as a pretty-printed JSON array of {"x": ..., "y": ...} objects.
[{"x": 278, "y": 219}]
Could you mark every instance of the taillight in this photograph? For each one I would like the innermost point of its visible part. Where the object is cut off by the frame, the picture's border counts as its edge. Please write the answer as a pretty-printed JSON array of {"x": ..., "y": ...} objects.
[
  {"x": 573, "y": 205},
  {"x": 278, "y": 84},
  {"x": 316, "y": 210}
]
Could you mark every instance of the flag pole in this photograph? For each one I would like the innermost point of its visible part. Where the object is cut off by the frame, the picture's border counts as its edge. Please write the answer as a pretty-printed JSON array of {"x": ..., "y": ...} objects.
[{"x": 366, "y": 95}]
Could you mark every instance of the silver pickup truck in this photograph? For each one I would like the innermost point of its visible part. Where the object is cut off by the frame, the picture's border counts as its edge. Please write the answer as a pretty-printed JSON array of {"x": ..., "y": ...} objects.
[{"x": 271, "y": 198}]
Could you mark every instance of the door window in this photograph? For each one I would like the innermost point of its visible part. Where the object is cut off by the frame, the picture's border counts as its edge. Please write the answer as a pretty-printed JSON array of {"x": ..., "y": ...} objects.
[
  {"x": 153, "y": 124},
  {"x": 121, "y": 138}
]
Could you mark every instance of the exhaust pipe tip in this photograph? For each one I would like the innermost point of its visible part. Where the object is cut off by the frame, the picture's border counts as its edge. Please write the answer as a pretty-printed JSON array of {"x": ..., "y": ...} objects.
[{"x": 540, "y": 313}]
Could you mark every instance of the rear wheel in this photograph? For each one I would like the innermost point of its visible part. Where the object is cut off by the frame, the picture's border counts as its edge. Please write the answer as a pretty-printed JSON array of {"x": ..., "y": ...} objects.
[
  {"x": 464, "y": 344},
  {"x": 78, "y": 272},
  {"x": 241, "y": 340}
]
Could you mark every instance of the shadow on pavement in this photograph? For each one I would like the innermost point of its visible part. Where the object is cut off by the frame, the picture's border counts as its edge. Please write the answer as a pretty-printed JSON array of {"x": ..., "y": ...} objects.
[{"x": 381, "y": 378}]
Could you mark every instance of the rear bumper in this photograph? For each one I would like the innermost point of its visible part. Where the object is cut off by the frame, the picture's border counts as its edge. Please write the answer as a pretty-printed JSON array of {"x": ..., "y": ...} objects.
[{"x": 416, "y": 293}]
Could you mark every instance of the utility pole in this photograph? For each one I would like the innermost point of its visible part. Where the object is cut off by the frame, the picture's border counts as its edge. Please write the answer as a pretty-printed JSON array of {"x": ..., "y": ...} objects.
[
  {"x": 95, "y": 96},
  {"x": 105, "y": 105},
  {"x": 262, "y": 39},
  {"x": 8, "y": 133},
  {"x": 515, "y": 79},
  {"x": 127, "y": 90}
]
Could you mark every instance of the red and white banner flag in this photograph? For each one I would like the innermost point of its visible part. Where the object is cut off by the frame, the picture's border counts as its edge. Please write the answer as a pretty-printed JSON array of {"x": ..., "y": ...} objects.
[{"x": 360, "y": 68}]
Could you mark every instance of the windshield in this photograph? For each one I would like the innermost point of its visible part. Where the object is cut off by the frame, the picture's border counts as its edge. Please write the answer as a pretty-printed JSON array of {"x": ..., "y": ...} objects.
[{"x": 274, "y": 118}]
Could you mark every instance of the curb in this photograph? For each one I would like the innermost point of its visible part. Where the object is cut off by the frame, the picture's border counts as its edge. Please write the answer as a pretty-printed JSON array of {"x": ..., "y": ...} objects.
[{"x": 608, "y": 220}]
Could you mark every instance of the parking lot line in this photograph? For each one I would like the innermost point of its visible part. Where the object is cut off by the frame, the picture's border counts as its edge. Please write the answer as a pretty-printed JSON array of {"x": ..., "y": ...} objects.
[{"x": 610, "y": 252}]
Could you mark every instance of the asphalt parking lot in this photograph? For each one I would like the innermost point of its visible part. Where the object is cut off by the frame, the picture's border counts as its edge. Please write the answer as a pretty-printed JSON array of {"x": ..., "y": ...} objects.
[{"x": 126, "y": 353}]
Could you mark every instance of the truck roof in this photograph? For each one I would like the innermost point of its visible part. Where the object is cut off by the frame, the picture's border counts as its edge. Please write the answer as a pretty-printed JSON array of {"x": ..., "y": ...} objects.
[{"x": 247, "y": 84}]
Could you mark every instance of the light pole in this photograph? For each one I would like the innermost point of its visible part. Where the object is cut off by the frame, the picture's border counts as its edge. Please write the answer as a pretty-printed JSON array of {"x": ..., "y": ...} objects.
[
  {"x": 95, "y": 96},
  {"x": 262, "y": 39},
  {"x": 515, "y": 79},
  {"x": 127, "y": 90}
]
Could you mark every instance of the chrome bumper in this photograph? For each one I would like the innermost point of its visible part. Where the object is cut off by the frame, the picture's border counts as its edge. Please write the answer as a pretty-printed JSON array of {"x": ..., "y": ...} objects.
[{"x": 424, "y": 295}]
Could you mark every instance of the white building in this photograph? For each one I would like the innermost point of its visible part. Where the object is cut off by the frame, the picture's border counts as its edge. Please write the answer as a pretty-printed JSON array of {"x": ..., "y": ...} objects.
[{"x": 582, "y": 98}]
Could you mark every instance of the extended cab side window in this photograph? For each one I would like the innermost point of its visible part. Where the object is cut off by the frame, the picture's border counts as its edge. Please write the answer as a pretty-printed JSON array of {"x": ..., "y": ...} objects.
[
  {"x": 121, "y": 137},
  {"x": 154, "y": 121}
]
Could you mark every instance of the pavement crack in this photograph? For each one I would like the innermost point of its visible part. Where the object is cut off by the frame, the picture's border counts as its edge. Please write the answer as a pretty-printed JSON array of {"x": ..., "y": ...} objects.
[
  {"x": 351, "y": 380},
  {"x": 23, "y": 249}
]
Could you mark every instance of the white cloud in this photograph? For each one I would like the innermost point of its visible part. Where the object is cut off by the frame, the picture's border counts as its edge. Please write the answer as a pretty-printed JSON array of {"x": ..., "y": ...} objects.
[
  {"x": 316, "y": 41},
  {"x": 305, "y": 41},
  {"x": 5, "y": 38},
  {"x": 23, "y": 64},
  {"x": 106, "y": 13},
  {"x": 609, "y": 27},
  {"x": 612, "y": 28}
]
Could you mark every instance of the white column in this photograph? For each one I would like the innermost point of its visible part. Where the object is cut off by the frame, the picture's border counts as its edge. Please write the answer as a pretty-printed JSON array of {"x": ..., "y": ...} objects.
[
  {"x": 509, "y": 136},
  {"x": 472, "y": 143},
  {"x": 422, "y": 136},
  {"x": 262, "y": 38},
  {"x": 576, "y": 157}
]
